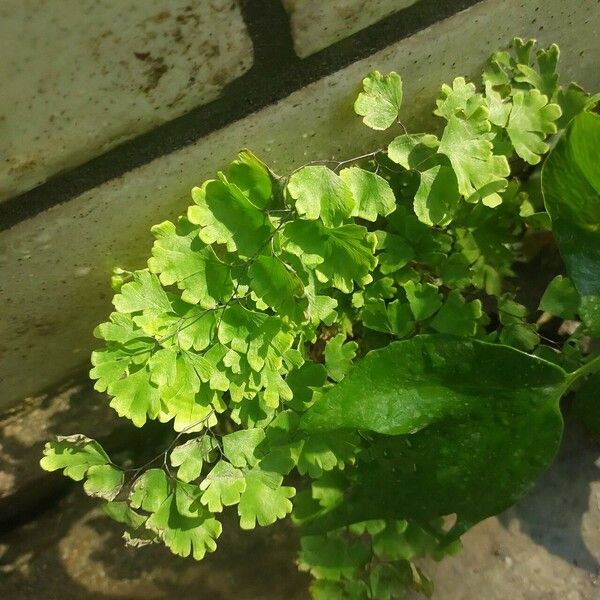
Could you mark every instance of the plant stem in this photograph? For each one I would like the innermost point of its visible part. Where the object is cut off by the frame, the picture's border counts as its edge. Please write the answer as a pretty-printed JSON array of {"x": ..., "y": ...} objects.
[{"x": 590, "y": 367}]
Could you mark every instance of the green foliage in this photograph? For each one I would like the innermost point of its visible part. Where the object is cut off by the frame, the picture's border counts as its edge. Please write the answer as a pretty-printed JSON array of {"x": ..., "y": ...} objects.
[
  {"x": 571, "y": 186},
  {"x": 352, "y": 345},
  {"x": 443, "y": 436},
  {"x": 181, "y": 258},
  {"x": 320, "y": 193},
  {"x": 82, "y": 458},
  {"x": 585, "y": 405},
  {"x": 380, "y": 100},
  {"x": 560, "y": 298}
]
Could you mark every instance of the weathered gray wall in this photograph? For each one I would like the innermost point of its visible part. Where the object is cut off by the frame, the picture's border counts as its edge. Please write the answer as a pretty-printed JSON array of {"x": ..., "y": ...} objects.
[{"x": 108, "y": 118}]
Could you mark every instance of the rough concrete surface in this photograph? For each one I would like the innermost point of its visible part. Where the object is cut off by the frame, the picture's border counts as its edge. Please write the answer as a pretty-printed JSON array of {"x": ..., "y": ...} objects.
[
  {"x": 317, "y": 24},
  {"x": 64, "y": 255},
  {"x": 545, "y": 548},
  {"x": 81, "y": 76}
]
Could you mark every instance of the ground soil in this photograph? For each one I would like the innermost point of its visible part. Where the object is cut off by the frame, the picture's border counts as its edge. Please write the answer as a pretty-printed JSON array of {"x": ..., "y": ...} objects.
[{"x": 545, "y": 548}]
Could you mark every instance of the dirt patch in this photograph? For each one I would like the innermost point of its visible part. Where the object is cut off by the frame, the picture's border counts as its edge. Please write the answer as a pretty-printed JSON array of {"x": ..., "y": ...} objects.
[{"x": 545, "y": 548}]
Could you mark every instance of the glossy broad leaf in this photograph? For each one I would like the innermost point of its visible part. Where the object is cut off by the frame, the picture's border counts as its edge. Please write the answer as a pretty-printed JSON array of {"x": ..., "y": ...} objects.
[
  {"x": 449, "y": 409},
  {"x": 571, "y": 187}
]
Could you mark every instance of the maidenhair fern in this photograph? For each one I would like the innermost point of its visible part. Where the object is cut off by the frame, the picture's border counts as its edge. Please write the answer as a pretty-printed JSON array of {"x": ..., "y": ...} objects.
[{"x": 346, "y": 343}]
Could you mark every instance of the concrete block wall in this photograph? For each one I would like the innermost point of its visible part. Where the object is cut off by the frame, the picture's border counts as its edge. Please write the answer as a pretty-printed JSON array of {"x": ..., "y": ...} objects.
[{"x": 110, "y": 111}]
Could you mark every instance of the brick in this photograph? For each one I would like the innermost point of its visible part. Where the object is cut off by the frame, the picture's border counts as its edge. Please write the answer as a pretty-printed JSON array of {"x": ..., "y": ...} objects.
[
  {"x": 317, "y": 24},
  {"x": 81, "y": 76}
]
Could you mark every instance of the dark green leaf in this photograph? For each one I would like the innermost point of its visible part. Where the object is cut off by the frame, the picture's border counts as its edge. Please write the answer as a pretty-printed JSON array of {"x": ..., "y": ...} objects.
[
  {"x": 457, "y": 317},
  {"x": 571, "y": 187},
  {"x": 586, "y": 405},
  {"x": 331, "y": 557},
  {"x": 450, "y": 407},
  {"x": 423, "y": 298}
]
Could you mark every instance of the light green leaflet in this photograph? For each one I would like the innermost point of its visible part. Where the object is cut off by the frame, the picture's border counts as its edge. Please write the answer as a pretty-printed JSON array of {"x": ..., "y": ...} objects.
[
  {"x": 320, "y": 193},
  {"x": 380, "y": 101},
  {"x": 180, "y": 257},
  {"x": 226, "y": 216},
  {"x": 531, "y": 120},
  {"x": 480, "y": 173}
]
